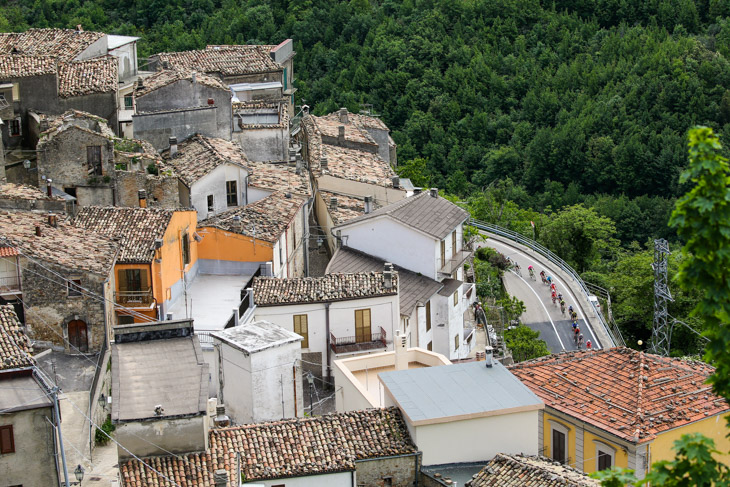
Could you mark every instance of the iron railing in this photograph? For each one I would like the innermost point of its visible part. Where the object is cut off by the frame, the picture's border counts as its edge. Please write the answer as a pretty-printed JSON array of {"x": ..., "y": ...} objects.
[
  {"x": 135, "y": 298},
  {"x": 204, "y": 337},
  {"x": 244, "y": 304},
  {"x": 351, "y": 344},
  {"x": 612, "y": 331}
]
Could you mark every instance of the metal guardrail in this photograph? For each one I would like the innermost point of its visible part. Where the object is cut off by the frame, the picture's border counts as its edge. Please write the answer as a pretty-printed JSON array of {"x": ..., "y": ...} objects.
[{"x": 611, "y": 329}]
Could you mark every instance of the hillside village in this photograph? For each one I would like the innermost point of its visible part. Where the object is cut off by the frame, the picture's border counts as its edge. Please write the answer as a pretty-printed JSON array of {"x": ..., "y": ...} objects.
[{"x": 204, "y": 284}]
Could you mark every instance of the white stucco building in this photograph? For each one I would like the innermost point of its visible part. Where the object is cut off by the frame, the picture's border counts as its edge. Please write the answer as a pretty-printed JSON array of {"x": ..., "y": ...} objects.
[
  {"x": 259, "y": 372},
  {"x": 465, "y": 412}
]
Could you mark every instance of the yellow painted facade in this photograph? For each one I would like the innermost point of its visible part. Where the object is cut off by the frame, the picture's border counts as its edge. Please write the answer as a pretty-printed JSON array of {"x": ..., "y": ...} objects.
[
  {"x": 219, "y": 244},
  {"x": 590, "y": 451},
  {"x": 713, "y": 427}
]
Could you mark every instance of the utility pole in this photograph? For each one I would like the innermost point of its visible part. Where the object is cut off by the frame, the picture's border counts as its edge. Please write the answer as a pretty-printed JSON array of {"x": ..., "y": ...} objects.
[{"x": 661, "y": 332}]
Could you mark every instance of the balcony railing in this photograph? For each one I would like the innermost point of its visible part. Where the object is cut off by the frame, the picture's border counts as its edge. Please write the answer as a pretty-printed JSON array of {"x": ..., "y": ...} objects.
[
  {"x": 9, "y": 284},
  {"x": 135, "y": 299},
  {"x": 454, "y": 262},
  {"x": 350, "y": 344}
]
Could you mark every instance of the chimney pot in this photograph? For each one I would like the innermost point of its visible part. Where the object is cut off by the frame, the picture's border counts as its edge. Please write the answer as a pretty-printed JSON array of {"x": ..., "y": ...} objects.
[
  {"x": 368, "y": 204},
  {"x": 417, "y": 190},
  {"x": 396, "y": 182},
  {"x": 37, "y": 230},
  {"x": 194, "y": 77},
  {"x": 49, "y": 189},
  {"x": 488, "y": 356},
  {"x": 142, "y": 195},
  {"x": 343, "y": 115},
  {"x": 434, "y": 192},
  {"x": 220, "y": 478},
  {"x": 341, "y": 133},
  {"x": 333, "y": 202},
  {"x": 173, "y": 146}
]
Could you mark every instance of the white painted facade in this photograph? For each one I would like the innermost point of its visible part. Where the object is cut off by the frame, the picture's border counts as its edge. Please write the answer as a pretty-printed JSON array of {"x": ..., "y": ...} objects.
[
  {"x": 214, "y": 184},
  {"x": 384, "y": 312},
  {"x": 337, "y": 479},
  {"x": 382, "y": 195}
]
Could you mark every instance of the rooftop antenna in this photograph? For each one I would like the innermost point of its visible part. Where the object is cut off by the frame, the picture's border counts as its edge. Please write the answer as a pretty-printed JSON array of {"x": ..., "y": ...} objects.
[{"x": 661, "y": 334}]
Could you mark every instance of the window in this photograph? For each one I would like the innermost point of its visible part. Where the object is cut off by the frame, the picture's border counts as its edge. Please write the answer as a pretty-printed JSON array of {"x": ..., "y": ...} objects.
[
  {"x": 559, "y": 444},
  {"x": 128, "y": 103},
  {"x": 443, "y": 253},
  {"x": 74, "y": 287},
  {"x": 285, "y": 80},
  {"x": 93, "y": 158},
  {"x": 456, "y": 342},
  {"x": 7, "y": 442},
  {"x": 453, "y": 244},
  {"x": 429, "y": 347},
  {"x": 362, "y": 325},
  {"x": 301, "y": 327},
  {"x": 70, "y": 191},
  {"x": 604, "y": 455},
  {"x": 231, "y": 193},
  {"x": 15, "y": 128},
  {"x": 428, "y": 315},
  {"x": 125, "y": 319},
  {"x": 211, "y": 206},
  {"x": 456, "y": 298},
  {"x": 132, "y": 280},
  {"x": 185, "y": 249}
]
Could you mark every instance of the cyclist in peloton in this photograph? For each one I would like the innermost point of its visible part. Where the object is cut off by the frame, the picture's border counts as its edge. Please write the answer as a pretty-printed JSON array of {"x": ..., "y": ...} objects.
[
  {"x": 576, "y": 333},
  {"x": 554, "y": 296},
  {"x": 542, "y": 276},
  {"x": 562, "y": 305},
  {"x": 531, "y": 271},
  {"x": 580, "y": 341}
]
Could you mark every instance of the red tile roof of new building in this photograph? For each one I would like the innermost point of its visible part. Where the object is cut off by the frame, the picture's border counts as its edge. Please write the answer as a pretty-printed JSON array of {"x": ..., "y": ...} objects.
[
  {"x": 63, "y": 44},
  {"x": 199, "y": 155},
  {"x": 15, "y": 349},
  {"x": 281, "y": 449},
  {"x": 169, "y": 76},
  {"x": 97, "y": 75},
  {"x": 226, "y": 60},
  {"x": 271, "y": 291},
  {"x": 527, "y": 471},
  {"x": 630, "y": 394},
  {"x": 137, "y": 227}
]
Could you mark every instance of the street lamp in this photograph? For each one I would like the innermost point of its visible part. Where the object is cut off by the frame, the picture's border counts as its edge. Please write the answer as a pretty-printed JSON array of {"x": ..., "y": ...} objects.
[
  {"x": 102, "y": 401},
  {"x": 79, "y": 473},
  {"x": 310, "y": 380}
]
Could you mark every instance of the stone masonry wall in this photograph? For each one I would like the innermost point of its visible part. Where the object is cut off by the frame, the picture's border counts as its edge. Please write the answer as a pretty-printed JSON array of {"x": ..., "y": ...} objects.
[
  {"x": 401, "y": 471},
  {"x": 162, "y": 191}
]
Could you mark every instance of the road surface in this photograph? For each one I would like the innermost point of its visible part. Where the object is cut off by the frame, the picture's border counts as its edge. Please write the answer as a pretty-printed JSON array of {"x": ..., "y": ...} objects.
[{"x": 542, "y": 315}]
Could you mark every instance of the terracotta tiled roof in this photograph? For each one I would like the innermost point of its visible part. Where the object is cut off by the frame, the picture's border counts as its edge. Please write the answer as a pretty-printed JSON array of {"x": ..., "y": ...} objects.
[
  {"x": 65, "y": 245},
  {"x": 8, "y": 251},
  {"x": 271, "y": 291},
  {"x": 63, "y": 44},
  {"x": 137, "y": 227},
  {"x": 329, "y": 126},
  {"x": 226, "y": 60},
  {"x": 279, "y": 177},
  {"x": 356, "y": 165},
  {"x": 280, "y": 449},
  {"x": 199, "y": 155},
  {"x": 97, "y": 75},
  {"x": 630, "y": 394},
  {"x": 76, "y": 118},
  {"x": 20, "y": 66},
  {"x": 435, "y": 216},
  {"x": 15, "y": 349},
  {"x": 266, "y": 219},
  {"x": 14, "y": 191},
  {"x": 169, "y": 76},
  {"x": 347, "y": 208},
  {"x": 527, "y": 471}
]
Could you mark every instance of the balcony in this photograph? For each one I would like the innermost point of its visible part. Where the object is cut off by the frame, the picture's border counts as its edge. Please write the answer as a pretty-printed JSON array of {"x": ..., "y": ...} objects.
[
  {"x": 351, "y": 344},
  {"x": 135, "y": 299},
  {"x": 453, "y": 263},
  {"x": 9, "y": 285}
]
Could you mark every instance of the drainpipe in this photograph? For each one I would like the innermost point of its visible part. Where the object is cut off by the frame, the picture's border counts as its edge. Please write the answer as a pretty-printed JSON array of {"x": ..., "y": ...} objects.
[
  {"x": 329, "y": 345},
  {"x": 306, "y": 235}
]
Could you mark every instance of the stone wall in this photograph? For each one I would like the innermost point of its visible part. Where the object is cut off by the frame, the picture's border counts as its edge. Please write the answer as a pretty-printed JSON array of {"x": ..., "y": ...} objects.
[
  {"x": 157, "y": 128},
  {"x": 162, "y": 191},
  {"x": 401, "y": 471},
  {"x": 49, "y": 309}
]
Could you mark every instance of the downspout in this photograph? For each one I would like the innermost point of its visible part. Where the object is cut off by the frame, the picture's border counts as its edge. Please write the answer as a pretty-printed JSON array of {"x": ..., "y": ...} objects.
[
  {"x": 306, "y": 235},
  {"x": 329, "y": 345},
  {"x": 294, "y": 382},
  {"x": 352, "y": 479}
]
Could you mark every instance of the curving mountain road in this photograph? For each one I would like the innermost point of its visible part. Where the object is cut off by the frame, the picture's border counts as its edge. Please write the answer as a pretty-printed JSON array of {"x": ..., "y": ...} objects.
[{"x": 542, "y": 315}]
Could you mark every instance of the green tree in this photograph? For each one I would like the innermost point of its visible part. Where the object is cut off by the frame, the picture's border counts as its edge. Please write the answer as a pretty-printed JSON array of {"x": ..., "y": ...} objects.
[
  {"x": 513, "y": 307},
  {"x": 525, "y": 343}
]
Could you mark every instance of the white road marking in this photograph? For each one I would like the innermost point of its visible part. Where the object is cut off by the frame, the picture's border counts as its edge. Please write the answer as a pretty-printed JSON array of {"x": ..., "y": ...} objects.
[
  {"x": 543, "y": 307},
  {"x": 578, "y": 307}
]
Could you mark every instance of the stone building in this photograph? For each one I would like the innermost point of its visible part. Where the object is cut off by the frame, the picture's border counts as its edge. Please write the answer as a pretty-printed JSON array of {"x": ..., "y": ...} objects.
[
  {"x": 67, "y": 279},
  {"x": 370, "y": 447},
  {"x": 76, "y": 152},
  {"x": 179, "y": 103},
  {"x": 262, "y": 129}
]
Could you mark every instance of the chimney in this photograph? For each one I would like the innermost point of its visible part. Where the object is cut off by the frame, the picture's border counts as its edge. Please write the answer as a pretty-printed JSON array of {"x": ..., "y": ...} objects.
[
  {"x": 434, "y": 192},
  {"x": 323, "y": 162},
  {"x": 333, "y": 202},
  {"x": 173, "y": 146},
  {"x": 220, "y": 478},
  {"x": 417, "y": 190},
  {"x": 52, "y": 220},
  {"x": 49, "y": 190},
  {"x": 300, "y": 163},
  {"x": 388, "y": 276},
  {"x": 368, "y": 204},
  {"x": 396, "y": 182},
  {"x": 37, "y": 230},
  {"x": 221, "y": 419},
  {"x": 343, "y": 115},
  {"x": 142, "y": 195},
  {"x": 194, "y": 77},
  {"x": 489, "y": 358},
  {"x": 287, "y": 195},
  {"x": 79, "y": 28},
  {"x": 140, "y": 83},
  {"x": 341, "y": 135},
  {"x": 401, "y": 350}
]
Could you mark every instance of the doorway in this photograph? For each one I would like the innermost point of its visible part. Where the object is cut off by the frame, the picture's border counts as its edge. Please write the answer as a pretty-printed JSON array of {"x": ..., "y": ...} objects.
[{"x": 77, "y": 336}]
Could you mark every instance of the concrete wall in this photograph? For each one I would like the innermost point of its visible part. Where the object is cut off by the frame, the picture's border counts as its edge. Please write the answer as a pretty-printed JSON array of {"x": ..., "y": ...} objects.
[
  {"x": 157, "y": 128},
  {"x": 382, "y": 195},
  {"x": 101, "y": 104},
  {"x": 162, "y": 191},
  {"x": 97, "y": 48},
  {"x": 338, "y": 479},
  {"x": 402, "y": 471},
  {"x": 264, "y": 144},
  {"x": 48, "y": 309},
  {"x": 33, "y": 462},
  {"x": 127, "y": 56},
  {"x": 102, "y": 195},
  {"x": 153, "y": 437},
  {"x": 214, "y": 183}
]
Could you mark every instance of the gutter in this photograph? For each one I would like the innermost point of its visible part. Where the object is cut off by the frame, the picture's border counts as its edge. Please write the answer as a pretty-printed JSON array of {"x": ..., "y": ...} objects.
[{"x": 329, "y": 345}]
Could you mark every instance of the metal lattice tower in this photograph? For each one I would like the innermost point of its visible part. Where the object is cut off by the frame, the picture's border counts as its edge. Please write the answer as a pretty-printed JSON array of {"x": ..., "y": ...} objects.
[{"x": 661, "y": 333}]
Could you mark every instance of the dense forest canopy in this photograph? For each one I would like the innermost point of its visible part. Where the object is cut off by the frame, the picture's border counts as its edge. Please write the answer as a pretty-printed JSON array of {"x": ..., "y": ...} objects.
[{"x": 569, "y": 113}]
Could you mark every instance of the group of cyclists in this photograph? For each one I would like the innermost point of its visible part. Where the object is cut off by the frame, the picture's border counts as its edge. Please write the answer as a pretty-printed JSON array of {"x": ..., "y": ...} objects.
[{"x": 557, "y": 297}]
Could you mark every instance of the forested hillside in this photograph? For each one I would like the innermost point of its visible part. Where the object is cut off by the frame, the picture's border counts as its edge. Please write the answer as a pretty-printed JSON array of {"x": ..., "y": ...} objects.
[{"x": 569, "y": 113}]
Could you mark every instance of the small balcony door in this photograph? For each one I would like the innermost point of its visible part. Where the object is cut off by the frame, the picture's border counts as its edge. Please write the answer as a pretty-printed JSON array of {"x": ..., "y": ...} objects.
[{"x": 362, "y": 326}]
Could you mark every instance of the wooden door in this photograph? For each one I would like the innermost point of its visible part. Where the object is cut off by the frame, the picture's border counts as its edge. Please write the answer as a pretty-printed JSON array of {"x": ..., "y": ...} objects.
[
  {"x": 559, "y": 446},
  {"x": 77, "y": 336}
]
